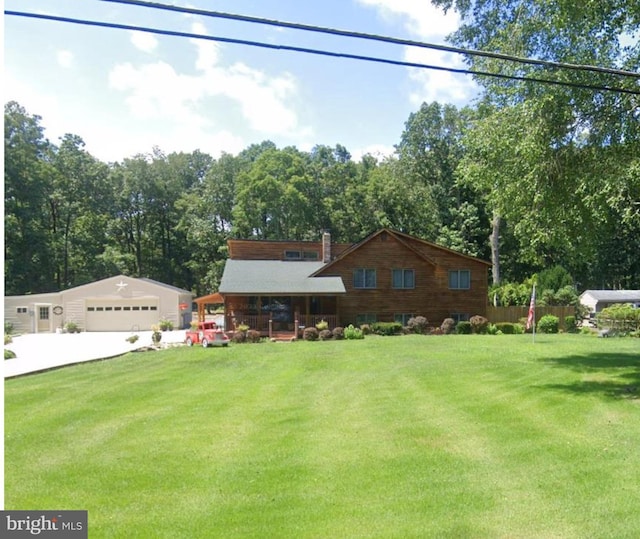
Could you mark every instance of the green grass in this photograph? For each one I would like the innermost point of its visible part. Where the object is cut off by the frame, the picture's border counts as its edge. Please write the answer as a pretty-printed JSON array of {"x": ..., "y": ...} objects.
[{"x": 457, "y": 436}]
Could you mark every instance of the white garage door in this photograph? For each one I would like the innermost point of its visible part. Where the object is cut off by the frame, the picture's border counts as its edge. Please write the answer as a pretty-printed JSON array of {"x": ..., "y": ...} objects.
[{"x": 137, "y": 314}]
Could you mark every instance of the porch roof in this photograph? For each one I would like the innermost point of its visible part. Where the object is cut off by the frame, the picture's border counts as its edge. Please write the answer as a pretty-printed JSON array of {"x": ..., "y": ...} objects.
[{"x": 262, "y": 277}]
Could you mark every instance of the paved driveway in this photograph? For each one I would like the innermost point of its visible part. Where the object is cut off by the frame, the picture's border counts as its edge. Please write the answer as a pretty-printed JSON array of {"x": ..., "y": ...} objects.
[{"x": 38, "y": 352}]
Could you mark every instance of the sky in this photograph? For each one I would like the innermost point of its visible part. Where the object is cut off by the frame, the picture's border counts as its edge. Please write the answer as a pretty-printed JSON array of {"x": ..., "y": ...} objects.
[{"x": 125, "y": 92}]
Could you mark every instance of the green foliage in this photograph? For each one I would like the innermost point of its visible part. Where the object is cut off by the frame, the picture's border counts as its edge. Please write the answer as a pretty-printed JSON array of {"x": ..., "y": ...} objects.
[
  {"x": 507, "y": 328},
  {"x": 620, "y": 318},
  {"x": 9, "y": 354},
  {"x": 353, "y": 333},
  {"x": 72, "y": 327},
  {"x": 132, "y": 339},
  {"x": 165, "y": 325},
  {"x": 8, "y": 339},
  {"x": 463, "y": 328},
  {"x": 322, "y": 325},
  {"x": 386, "y": 328},
  {"x": 418, "y": 324},
  {"x": 8, "y": 327},
  {"x": 479, "y": 324},
  {"x": 570, "y": 324},
  {"x": 548, "y": 324},
  {"x": 492, "y": 329}
]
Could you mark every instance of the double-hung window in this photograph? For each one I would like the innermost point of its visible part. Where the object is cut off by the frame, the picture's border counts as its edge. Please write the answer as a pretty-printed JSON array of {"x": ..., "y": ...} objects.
[
  {"x": 460, "y": 279},
  {"x": 364, "y": 278},
  {"x": 403, "y": 278}
]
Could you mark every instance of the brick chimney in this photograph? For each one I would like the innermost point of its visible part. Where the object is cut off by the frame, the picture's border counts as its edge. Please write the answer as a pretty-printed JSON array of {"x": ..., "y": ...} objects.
[{"x": 326, "y": 247}]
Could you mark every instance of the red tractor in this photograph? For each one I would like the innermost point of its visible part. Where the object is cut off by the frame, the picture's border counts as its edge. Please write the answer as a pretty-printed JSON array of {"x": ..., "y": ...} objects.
[{"x": 207, "y": 334}]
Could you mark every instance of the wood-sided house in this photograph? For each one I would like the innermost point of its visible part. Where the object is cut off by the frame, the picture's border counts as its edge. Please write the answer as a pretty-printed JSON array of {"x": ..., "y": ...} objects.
[{"x": 388, "y": 276}]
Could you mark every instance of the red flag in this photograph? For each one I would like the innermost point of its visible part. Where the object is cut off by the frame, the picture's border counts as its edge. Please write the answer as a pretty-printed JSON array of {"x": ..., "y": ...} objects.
[{"x": 531, "y": 319}]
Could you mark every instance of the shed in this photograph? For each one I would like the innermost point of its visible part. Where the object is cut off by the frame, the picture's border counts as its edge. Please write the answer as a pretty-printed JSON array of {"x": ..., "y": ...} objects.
[{"x": 596, "y": 300}]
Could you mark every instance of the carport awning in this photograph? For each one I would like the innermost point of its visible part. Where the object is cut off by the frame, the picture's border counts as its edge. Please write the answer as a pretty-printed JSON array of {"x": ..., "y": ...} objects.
[{"x": 210, "y": 299}]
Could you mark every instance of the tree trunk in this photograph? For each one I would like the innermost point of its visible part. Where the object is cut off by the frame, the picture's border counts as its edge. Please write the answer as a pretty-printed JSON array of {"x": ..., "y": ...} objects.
[{"x": 495, "y": 247}]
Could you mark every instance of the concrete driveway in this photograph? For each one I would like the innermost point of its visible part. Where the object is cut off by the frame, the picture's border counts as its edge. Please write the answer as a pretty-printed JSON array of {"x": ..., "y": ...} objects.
[{"x": 43, "y": 351}]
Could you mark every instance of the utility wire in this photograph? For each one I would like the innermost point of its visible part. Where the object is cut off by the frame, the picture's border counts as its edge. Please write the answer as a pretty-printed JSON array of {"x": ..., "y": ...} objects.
[
  {"x": 316, "y": 51},
  {"x": 376, "y": 37}
]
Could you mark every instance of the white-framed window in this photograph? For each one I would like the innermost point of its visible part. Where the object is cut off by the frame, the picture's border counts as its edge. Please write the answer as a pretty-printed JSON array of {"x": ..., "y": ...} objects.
[
  {"x": 459, "y": 279},
  {"x": 364, "y": 278},
  {"x": 22, "y": 310},
  {"x": 366, "y": 318},
  {"x": 403, "y": 278},
  {"x": 403, "y": 318}
]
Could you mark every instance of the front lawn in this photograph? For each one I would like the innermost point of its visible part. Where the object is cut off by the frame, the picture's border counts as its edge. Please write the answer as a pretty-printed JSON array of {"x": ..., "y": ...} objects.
[{"x": 413, "y": 436}]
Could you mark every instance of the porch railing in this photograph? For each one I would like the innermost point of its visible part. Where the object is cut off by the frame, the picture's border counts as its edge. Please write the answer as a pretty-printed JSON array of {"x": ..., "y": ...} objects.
[{"x": 262, "y": 323}]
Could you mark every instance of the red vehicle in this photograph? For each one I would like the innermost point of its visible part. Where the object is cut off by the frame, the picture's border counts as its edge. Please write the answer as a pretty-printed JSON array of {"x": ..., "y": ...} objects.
[{"x": 207, "y": 334}]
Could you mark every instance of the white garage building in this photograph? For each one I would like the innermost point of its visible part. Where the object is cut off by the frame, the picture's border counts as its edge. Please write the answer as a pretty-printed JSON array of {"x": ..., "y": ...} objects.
[{"x": 114, "y": 304}]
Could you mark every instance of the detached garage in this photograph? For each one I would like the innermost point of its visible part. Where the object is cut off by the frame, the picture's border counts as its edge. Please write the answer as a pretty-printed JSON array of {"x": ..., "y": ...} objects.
[{"x": 114, "y": 304}]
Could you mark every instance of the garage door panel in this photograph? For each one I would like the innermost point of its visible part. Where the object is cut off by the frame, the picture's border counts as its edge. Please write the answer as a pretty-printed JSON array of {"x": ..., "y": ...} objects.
[{"x": 121, "y": 315}]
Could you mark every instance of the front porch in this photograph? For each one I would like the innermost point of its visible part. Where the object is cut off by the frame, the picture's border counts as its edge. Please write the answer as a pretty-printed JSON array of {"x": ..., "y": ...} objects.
[{"x": 280, "y": 315}]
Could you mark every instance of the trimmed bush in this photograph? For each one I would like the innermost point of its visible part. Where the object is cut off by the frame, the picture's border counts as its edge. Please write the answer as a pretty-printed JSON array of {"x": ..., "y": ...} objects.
[
  {"x": 507, "y": 328},
  {"x": 310, "y": 334},
  {"x": 239, "y": 337},
  {"x": 366, "y": 329},
  {"x": 418, "y": 324},
  {"x": 570, "y": 324},
  {"x": 387, "y": 328},
  {"x": 165, "y": 325},
  {"x": 548, "y": 324},
  {"x": 325, "y": 335},
  {"x": 448, "y": 326},
  {"x": 322, "y": 325},
  {"x": 479, "y": 324},
  {"x": 352, "y": 333},
  {"x": 9, "y": 354},
  {"x": 8, "y": 328},
  {"x": 463, "y": 328},
  {"x": 132, "y": 339},
  {"x": 338, "y": 333},
  {"x": 253, "y": 336}
]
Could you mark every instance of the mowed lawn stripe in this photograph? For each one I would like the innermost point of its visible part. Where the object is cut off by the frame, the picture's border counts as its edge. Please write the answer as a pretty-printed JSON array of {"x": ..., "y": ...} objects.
[{"x": 458, "y": 436}]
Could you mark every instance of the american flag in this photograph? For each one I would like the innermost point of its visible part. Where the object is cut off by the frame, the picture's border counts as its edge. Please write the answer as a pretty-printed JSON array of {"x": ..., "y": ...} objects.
[{"x": 531, "y": 318}]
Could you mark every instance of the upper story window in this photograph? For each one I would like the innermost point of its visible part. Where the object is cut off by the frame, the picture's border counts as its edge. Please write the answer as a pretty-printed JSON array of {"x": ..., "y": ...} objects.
[
  {"x": 460, "y": 279},
  {"x": 364, "y": 278},
  {"x": 300, "y": 255},
  {"x": 403, "y": 278}
]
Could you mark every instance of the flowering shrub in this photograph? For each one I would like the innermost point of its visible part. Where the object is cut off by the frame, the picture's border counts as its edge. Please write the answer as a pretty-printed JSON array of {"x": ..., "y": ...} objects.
[
  {"x": 448, "y": 325},
  {"x": 351, "y": 332},
  {"x": 338, "y": 333},
  {"x": 310, "y": 334}
]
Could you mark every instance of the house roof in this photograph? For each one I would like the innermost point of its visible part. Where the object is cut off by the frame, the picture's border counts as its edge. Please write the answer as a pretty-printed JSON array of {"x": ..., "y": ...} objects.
[
  {"x": 617, "y": 296},
  {"x": 276, "y": 277}
]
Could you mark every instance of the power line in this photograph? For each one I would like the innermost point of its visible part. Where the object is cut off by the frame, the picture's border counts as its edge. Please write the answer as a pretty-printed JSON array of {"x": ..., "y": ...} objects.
[
  {"x": 376, "y": 37},
  {"x": 317, "y": 52}
]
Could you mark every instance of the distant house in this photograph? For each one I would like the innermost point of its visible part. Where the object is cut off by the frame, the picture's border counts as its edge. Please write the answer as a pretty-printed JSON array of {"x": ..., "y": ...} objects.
[
  {"x": 118, "y": 303},
  {"x": 388, "y": 276},
  {"x": 596, "y": 300}
]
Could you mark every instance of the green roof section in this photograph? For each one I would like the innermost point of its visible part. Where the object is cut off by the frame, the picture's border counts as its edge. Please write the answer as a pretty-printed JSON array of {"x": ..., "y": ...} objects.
[{"x": 277, "y": 277}]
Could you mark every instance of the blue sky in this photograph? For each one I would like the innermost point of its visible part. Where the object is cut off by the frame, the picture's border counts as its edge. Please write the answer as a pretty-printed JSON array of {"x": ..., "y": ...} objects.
[{"x": 125, "y": 92}]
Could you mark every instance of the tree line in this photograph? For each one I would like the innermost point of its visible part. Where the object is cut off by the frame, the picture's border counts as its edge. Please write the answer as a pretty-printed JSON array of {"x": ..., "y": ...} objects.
[{"x": 531, "y": 176}]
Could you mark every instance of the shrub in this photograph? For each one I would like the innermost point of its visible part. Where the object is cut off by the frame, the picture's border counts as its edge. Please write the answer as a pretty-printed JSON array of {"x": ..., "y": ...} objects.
[
  {"x": 325, "y": 335},
  {"x": 418, "y": 324},
  {"x": 548, "y": 324},
  {"x": 387, "y": 328},
  {"x": 165, "y": 325},
  {"x": 463, "y": 328},
  {"x": 479, "y": 324},
  {"x": 322, "y": 325},
  {"x": 492, "y": 329},
  {"x": 72, "y": 327},
  {"x": 9, "y": 354},
  {"x": 338, "y": 333},
  {"x": 366, "y": 329},
  {"x": 352, "y": 333},
  {"x": 243, "y": 328},
  {"x": 131, "y": 339},
  {"x": 436, "y": 331},
  {"x": 8, "y": 328},
  {"x": 252, "y": 336},
  {"x": 570, "y": 324},
  {"x": 507, "y": 328},
  {"x": 448, "y": 326},
  {"x": 620, "y": 317},
  {"x": 310, "y": 334},
  {"x": 7, "y": 339},
  {"x": 239, "y": 337}
]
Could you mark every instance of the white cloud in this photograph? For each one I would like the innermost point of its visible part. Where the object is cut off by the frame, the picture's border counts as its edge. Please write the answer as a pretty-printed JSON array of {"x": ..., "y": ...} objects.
[
  {"x": 144, "y": 41},
  {"x": 429, "y": 24},
  {"x": 65, "y": 58},
  {"x": 379, "y": 151}
]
